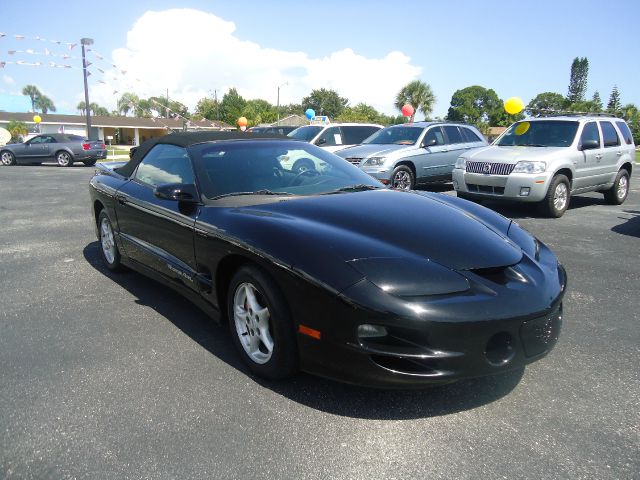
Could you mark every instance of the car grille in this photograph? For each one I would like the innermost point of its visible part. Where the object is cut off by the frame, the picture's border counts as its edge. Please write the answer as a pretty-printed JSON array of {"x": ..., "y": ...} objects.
[
  {"x": 475, "y": 188},
  {"x": 490, "y": 168},
  {"x": 354, "y": 160}
]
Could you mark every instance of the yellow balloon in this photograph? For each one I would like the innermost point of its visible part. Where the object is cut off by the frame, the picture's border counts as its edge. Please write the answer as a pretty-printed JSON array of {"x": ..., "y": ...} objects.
[
  {"x": 37, "y": 119},
  {"x": 522, "y": 128},
  {"x": 513, "y": 105}
]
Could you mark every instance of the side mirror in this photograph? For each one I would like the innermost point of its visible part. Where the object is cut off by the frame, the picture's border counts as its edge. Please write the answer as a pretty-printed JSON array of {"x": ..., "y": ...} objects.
[
  {"x": 321, "y": 141},
  {"x": 430, "y": 143},
  {"x": 589, "y": 145},
  {"x": 179, "y": 192}
]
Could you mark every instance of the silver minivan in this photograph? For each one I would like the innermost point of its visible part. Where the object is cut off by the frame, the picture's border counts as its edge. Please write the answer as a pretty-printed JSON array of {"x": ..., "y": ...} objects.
[
  {"x": 548, "y": 159},
  {"x": 404, "y": 155}
]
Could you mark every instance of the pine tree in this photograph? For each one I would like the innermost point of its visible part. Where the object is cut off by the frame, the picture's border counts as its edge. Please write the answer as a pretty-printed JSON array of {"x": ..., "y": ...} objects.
[
  {"x": 578, "y": 80},
  {"x": 614, "y": 104},
  {"x": 597, "y": 101}
]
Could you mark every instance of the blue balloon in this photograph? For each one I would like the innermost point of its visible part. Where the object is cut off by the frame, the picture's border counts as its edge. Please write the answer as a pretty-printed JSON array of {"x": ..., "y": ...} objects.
[{"x": 310, "y": 113}]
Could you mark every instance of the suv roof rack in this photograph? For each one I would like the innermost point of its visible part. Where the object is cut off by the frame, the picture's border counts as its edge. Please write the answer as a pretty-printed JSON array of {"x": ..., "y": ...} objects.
[{"x": 561, "y": 113}]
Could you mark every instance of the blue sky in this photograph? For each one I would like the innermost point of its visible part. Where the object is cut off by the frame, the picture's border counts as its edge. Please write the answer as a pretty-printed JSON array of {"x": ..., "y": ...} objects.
[{"x": 364, "y": 50}]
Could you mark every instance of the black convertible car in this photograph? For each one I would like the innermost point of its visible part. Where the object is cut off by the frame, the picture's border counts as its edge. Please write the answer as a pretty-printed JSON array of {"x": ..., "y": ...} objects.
[{"x": 327, "y": 270}]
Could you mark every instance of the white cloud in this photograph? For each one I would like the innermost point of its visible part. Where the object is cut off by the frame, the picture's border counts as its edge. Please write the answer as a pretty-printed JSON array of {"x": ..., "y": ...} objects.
[
  {"x": 8, "y": 80},
  {"x": 208, "y": 56}
]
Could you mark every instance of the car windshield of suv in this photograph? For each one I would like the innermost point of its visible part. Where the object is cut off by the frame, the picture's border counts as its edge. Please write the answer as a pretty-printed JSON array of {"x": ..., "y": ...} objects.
[
  {"x": 395, "y": 136},
  {"x": 305, "y": 133},
  {"x": 539, "y": 133},
  {"x": 260, "y": 167}
]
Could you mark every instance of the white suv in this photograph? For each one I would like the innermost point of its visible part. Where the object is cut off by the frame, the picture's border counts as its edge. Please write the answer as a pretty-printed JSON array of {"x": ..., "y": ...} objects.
[
  {"x": 331, "y": 137},
  {"x": 548, "y": 159}
]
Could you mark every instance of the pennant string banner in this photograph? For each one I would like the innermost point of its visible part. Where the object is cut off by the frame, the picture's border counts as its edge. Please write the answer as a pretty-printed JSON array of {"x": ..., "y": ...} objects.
[{"x": 66, "y": 56}]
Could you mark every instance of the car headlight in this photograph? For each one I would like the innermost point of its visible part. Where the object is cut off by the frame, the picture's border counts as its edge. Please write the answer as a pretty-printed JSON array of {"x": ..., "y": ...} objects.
[
  {"x": 530, "y": 167},
  {"x": 461, "y": 163},
  {"x": 375, "y": 161}
]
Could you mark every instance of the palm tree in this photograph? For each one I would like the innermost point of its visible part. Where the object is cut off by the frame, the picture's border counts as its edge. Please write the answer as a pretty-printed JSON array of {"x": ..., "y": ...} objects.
[
  {"x": 33, "y": 93},
  {"x": 81, "y": 107},
  {"x": 127, "y": 102},
  {"x": 417, "y": 94},
  {"x": 45, "y": 104}
]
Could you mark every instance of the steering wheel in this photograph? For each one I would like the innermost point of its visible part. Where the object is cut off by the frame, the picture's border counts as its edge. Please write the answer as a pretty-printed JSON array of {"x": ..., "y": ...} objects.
[{"x": 312, "y": 173}]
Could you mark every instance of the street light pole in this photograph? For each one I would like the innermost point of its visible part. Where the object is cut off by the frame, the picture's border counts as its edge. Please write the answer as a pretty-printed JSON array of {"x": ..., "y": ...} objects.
[
  {"x": 278, "y": 101},
  {"x": 86, "y": 41}
]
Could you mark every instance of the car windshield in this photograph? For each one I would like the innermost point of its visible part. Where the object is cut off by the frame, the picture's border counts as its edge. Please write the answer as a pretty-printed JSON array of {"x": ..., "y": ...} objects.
[
  {"x": 305, "y": 133},
  {"x": 274, "y": 167},
  {"x": 539, "y": 133},
  {"x": 401, "y": 135}
]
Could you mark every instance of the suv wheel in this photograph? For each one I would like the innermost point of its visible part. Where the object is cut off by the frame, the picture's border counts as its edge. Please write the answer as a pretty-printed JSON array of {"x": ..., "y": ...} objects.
[
  {"x": 617, "y": 194},
  {"x": 402, "y": 178},
  {"x": 556, "y": 201}
]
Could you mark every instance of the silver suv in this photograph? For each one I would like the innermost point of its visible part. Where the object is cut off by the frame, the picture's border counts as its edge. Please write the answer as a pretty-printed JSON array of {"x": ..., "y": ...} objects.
[
  {"x": 546, "y": 160},
  {"x": 420, "y": 152}
]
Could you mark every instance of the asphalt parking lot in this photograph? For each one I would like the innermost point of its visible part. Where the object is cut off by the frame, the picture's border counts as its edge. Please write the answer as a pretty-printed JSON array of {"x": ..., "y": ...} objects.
[{"x": 114, "y": 376}]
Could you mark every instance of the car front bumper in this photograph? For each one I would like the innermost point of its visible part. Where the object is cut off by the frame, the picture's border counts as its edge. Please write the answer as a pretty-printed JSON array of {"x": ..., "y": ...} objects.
[
  {"x": 451, "y": 338},
  {"x": 521, "y": 187}
]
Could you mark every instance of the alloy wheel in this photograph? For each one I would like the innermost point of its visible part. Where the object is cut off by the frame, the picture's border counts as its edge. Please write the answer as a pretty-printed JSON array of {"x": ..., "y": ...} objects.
[
  {"x": 560, "y": 196},
  {"x": 402, "y": 180},
  {"x": 623, "y": 187},
  {"x": 7, "y": 158},
  {"x": 106, "y": 241},
  {"x": 251, "y": 317},
  {"x": 63, "y": 159}
]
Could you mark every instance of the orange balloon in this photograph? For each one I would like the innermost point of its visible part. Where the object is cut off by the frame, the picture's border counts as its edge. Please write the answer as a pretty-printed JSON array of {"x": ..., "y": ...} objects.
[
  {"x": 407, "y": 110},
  {"x": 242, "y": 122}
]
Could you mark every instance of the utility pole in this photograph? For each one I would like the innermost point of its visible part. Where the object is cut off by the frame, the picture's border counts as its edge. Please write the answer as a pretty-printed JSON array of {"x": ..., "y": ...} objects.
[
  {"x": 83, "y": 42},
  {"x": 278, "y": 101}
]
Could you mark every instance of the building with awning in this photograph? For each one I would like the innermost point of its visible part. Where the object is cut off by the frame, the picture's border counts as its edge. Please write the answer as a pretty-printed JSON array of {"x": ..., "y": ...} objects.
[{"x": 112, "y": 130}]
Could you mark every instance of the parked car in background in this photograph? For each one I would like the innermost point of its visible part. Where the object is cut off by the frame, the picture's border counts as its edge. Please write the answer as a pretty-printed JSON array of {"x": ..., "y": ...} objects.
[
  {"x": 279, "y": 130},
  {"x": 331, "y": 137},
  {"x": 548, "y": 159},
  {"x": 421, "y": 152},
  {"x": 329, "y": 271},
  {"x": 64, "y": 149}
]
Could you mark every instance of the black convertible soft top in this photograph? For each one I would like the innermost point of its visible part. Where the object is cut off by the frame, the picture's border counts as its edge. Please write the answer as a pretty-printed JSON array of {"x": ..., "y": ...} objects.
[{"x": 185, "y": 139}]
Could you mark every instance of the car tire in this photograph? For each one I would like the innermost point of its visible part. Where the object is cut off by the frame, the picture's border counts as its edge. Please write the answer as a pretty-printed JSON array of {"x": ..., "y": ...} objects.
[
  {"x": 90, "y": 163},
  {"x": 402, "y": 178},
  {"x": 260, "y": 324},
  {"x": 302, "y": 165},
  {"x": 556, "y": 201},
  {"x": 617, "y": 194},
  {"x": 108, "y": 247},
  {"x": 64, "y": 159},
  {"x": 7, "y": 158}
]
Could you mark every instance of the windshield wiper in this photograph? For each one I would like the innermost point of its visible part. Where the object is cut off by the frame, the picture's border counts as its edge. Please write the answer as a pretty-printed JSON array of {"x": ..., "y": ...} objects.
[
  {"x": 257, "y": 192},
  {"x": 353, "y": 188}
]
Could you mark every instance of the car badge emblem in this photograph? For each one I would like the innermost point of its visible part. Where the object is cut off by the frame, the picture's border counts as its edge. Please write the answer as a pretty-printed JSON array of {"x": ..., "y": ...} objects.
[{"x": 486, "y": 168}]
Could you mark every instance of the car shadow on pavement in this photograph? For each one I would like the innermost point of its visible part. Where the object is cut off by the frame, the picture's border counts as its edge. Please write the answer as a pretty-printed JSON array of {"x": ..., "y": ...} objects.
[
  {"x": 631, "y": 224},
  {"x": 314, "y": 392},
  {"x": 529, "y": 210}
]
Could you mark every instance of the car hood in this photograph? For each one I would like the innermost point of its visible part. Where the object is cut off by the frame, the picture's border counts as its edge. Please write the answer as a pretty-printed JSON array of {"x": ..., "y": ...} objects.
[
  {"x": 371, "y": 150},
  {"x": 389, "y": 224},
  {"x": 495, "y": 154}
]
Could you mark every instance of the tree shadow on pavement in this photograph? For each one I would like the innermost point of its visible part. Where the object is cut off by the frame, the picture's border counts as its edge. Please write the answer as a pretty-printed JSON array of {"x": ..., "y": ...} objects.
[
  {"x": 315, "y": 392},
  {"x": 631, "y": 224}
]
